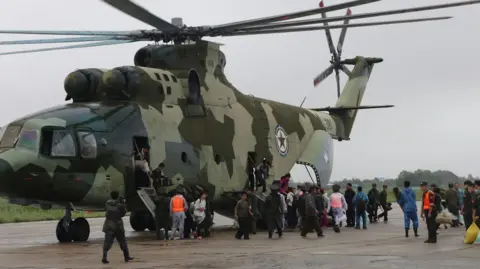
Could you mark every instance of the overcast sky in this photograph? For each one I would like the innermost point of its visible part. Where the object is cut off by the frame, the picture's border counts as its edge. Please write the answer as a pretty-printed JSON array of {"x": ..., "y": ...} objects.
[{"x": 430, "y": 73}]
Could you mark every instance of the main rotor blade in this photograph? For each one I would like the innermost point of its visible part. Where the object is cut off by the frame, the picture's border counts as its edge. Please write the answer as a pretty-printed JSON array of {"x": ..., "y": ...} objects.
[
  {"x": 141, "y": 14},
  {"x": 360, "y": 16},
  {"x": 64, "y": 40},
  {"x": 95, "y": 44},
  {"x": 322, "y": 76},
  {"x": 240, "y": 24},
  {"x": 328, "y": 34},
  {"x": 316, "y": 28},
  {"x": 86, "y": 33},
  {"x": 341, "y": 39}
]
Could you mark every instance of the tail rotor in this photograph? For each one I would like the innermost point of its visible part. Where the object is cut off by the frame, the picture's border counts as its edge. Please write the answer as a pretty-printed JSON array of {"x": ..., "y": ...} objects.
[{"x": 335, "y": 62}]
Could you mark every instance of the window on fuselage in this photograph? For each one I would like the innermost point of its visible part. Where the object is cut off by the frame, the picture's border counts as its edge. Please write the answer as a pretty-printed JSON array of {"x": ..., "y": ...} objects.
[
  {"x": 58, "y": 143},
  {"x": 9, "y": 136},
  {"x": 28, "y": 139},
  {"x": 88, "y": 144}
]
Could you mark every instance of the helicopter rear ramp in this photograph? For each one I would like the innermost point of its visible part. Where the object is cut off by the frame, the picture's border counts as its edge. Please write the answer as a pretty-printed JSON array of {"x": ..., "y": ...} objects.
[{"x": 318, "y": 155}]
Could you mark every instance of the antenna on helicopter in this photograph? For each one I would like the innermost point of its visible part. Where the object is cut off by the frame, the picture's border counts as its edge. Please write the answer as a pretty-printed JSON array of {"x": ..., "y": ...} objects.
[{"x": 336, "y": 57}]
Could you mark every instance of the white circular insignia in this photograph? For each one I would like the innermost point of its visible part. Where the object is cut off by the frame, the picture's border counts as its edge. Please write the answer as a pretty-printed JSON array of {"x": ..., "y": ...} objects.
[{"x": 281, "y": 140}]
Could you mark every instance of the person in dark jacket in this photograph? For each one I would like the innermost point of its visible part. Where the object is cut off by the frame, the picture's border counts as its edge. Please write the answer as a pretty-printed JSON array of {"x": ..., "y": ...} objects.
[
  {"x": 349, "y": 195},
  {"x": 373, "y": 203},
  {"x": 162, "y": 216},
  {"x": 467, "y": 209},
  {"x": 113, "y": 226},
  {"x": 274, "y": 211},
  {"x": 319, "y": 203},
  {"x": 451, "y": 199},
  {"x": 310, "y": 214}
]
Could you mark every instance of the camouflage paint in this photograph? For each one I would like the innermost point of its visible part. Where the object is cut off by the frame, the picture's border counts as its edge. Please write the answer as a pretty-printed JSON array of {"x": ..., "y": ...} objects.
[{"x": 216, "y": 145}]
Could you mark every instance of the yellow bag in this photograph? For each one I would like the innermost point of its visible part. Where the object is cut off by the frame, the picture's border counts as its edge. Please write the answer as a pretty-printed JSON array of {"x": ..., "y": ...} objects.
[
  {"x": 471, "y": 234},
  {"x": 477, "y": 242}
]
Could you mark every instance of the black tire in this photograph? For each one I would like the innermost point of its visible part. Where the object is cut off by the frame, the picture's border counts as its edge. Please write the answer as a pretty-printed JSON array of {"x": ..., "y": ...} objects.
[
  {"x": 151, "y": 223},
  {"x": 138, "y": 221},
  {"x": 63, "y": 236},
  {"x": 80, "y": 230}
]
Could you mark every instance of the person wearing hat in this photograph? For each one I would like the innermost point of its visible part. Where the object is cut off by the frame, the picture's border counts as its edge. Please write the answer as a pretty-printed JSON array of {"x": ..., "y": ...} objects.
[
  {"x": 429, "y": 212},
  {"x": 162, "y": 217},
  {"x": 382, "y": 199},
  {"x": 274, "y": 211},
  {"x": 373, "y": 196}
]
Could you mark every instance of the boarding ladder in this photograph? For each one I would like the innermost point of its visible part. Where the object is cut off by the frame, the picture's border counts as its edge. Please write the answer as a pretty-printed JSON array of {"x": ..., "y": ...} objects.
[{"x": 148, "y": 196}]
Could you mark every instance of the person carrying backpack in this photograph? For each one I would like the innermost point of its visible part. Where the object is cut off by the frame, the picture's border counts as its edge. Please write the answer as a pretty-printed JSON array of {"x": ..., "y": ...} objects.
[{"x": 360, "y": 202}]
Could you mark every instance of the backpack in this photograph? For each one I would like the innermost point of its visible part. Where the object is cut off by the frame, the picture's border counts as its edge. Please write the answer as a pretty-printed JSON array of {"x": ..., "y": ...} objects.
[{"x": 361, "y": 205}]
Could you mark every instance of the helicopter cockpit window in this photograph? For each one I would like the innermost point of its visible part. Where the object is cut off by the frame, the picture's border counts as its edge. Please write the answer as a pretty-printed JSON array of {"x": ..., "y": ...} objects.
[
  {"x": 28, "y": 139},
  {"x": 62, "y": 144},
  {"x": 88, "y": 144},
  {"x": 9, "y": 136}
]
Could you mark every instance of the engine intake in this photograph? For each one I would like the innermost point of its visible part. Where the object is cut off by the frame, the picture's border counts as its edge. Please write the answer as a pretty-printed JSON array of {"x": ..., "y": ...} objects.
[
  {"x": 122, "y": 83},
  {"x": 82, "y": 85}
]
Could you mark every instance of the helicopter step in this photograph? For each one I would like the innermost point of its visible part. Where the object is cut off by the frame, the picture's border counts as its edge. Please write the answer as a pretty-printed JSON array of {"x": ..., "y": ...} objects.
[{"x": 148, "y": 196}]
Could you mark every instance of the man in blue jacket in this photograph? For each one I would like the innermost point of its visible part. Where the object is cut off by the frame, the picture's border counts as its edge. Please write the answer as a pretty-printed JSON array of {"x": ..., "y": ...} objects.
[
  {"x": 408, "y": 203},
  {"x": 360, "y": 202}
]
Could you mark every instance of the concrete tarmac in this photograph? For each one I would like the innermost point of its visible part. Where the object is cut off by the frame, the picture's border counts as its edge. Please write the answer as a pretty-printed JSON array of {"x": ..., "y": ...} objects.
[{"x": 382, "y": 245}]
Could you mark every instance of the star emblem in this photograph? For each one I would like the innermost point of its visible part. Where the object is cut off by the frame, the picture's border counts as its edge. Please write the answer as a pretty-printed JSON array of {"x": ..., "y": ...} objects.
[{"x": 281, "y": 139}]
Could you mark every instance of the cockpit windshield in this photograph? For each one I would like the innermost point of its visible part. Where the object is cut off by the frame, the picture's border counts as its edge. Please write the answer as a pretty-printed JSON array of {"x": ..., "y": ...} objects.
[
  {"x": 28, "y": 139},
  {"x": 9, "y": 136}
]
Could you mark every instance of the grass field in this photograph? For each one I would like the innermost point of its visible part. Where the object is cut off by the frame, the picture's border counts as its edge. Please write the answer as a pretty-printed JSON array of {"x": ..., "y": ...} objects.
[{"x": 15, "y": 213}]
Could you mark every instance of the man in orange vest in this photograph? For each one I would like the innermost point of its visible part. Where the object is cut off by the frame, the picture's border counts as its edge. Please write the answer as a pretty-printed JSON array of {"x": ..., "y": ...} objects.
[
  {"x": 429, "y": 211},
  {"x": 178, "y": 207}
]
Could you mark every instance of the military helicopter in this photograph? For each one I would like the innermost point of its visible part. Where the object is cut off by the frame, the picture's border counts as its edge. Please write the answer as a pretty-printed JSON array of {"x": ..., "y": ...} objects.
[{"x": 174, "y": 106}]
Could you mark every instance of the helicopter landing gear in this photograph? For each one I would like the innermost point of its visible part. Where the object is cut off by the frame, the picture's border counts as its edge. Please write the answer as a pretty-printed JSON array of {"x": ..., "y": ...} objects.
[
  {"x": 69, "y": 230},
  {"x": 139, "y": 221}
]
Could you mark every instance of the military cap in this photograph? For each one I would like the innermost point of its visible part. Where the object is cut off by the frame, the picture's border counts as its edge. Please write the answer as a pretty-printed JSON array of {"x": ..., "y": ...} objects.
[{"x": 275, "y": 187}]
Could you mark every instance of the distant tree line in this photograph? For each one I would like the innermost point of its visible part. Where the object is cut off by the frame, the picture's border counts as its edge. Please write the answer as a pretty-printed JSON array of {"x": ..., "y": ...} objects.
[{"x": 439, "y": 177}]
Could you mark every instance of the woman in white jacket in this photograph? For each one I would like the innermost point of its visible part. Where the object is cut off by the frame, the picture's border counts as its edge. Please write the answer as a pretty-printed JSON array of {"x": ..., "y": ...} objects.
[{"x": 199, "y": 214}]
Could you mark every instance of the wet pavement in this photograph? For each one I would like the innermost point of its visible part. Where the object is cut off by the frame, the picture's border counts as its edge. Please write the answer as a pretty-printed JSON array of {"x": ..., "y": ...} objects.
[{"x": 383, "y": 245}]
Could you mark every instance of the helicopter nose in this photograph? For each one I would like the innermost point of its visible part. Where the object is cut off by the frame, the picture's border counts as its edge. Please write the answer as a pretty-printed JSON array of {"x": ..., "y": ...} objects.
[{"x": 6, "y": 176}]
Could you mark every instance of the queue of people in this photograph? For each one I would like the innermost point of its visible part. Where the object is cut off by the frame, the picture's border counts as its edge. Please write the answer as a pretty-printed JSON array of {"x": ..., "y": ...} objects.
[{"x": 308, "y": 207}]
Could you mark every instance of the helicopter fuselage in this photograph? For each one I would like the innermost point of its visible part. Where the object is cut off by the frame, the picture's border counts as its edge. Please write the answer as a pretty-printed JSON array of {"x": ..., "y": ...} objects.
[{"x": 77, "y": 153}]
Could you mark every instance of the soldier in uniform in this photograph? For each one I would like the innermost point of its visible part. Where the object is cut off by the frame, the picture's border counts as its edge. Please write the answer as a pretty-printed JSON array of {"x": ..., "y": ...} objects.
[
  {"x": 262, "y": 174},
  {"x": 113, "y": 226},
  {"x": 162, "y": 216},
  {"x": 373, "y": 203},
  {"x": 383, "y": 202},
  {"x": 274, "y": 211},
  {"x": 159, "y": 178},
  {"x": 310, "y": 213}
]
